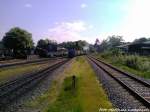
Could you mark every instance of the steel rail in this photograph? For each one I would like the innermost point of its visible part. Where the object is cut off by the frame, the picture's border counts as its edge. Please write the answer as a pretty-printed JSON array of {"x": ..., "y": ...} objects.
[
  {"x": 14, "y": 89},
  {"x": 25, "y": 62},
  {"x": 136, "y": 94}
]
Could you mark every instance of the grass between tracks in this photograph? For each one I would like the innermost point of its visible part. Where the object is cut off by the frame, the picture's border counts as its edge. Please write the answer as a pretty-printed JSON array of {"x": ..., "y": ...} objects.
[
  {"x": 11, "y": 72},
  {"x": 87, "y": 96}
]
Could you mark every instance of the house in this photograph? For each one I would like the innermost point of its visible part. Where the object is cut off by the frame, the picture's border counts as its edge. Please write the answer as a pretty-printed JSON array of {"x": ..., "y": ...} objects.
[
  {"x": 136, "y": 48},
  {"x": 124, "y": 47},
  {"x": 140, "y": 48}
]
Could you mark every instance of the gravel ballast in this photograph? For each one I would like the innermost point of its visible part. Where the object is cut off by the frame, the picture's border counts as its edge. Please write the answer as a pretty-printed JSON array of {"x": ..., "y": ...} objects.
[
  {"x": 120, "y": 97},
  {"x": 19, "y": 104}
]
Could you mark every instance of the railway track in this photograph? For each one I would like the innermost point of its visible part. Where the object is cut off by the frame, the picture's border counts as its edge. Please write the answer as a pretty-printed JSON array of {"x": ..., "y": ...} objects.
[
  {"x": 137, "y": 87},
  {"x": 16, "y": 88},
  {"x": 25, "y": 62},
  {"x": 10, "y": 61}
]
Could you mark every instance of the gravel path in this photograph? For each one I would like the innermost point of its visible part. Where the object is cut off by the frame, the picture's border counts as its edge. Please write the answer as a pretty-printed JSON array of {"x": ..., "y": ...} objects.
[
  {"x": 119, "y": 96},
  {"x": 41, "y": 88}
]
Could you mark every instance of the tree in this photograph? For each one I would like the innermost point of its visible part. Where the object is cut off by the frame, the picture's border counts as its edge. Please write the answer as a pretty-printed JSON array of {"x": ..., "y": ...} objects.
[
  {"x": 97, "y": 45},
  {"x": 18, "y": 40},
  {"x": 42, "y": 44},
  {"x": 104, "y": 45},
  {"x": 110, "y": 43},
  {"x": 92, "y": 48},
  {"x": 97, "y": 42},
  {"x": 140, "y": 40},
  {"x": 80, "y": 44},
  {"x": 77, "y": 45},
  {"x": 45, "y": 46},
  {"x": 114, "y": 41},
  {"x": 40, "y": 48}
]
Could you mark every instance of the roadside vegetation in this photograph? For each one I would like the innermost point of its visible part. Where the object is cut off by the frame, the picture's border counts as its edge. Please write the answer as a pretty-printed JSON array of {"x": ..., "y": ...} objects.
[
  {"x": 131, "y": 61},
  {"x": 86, "y": 96},
  {"x": 138, "y": 65}
]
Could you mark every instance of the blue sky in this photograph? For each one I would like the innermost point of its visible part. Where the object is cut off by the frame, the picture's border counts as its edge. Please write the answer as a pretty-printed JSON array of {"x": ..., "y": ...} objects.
[{"x": 68, "y": 20}]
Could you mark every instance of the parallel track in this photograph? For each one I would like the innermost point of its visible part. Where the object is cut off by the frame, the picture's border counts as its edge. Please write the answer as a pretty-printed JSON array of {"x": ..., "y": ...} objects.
[
  {"x": 137, "y": 87},
  {"x": 25, "y": 62},
  {"x": 12, "y": 90}
]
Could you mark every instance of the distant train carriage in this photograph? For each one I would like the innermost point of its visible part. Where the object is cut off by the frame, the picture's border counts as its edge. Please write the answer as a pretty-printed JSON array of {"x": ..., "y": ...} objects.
[
  {"x": 71, "y": 53},
  {"x": 61, "y": 51}
]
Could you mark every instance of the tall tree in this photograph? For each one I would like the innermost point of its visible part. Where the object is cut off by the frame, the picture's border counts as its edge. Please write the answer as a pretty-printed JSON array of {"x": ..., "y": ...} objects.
[
  {"x": 45, "y": 46},
  {"x": 97, "y": 42},
  {"x": 18, "y": 40},
  {"x": 104, "y": 45},
  {"x": 77, "y": 45},
  {"x": 97, "y": 45},
  {"x": 114, "y": 41},
  {"x": 110, "y": 43},
  {"x": 42, "y": 44}
]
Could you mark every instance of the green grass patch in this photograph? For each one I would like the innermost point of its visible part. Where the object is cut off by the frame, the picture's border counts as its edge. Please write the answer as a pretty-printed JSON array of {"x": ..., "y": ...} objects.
[
  {"x": 42, "y": 102},
  {"x": 67, "y": 100},
  {"x": 88, "y": 95}
]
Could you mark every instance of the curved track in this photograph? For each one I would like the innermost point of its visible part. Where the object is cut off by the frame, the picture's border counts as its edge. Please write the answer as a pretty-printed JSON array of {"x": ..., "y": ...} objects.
[
  {"x": 137, "y": 87},
  {"x": 14, "y": 89}
]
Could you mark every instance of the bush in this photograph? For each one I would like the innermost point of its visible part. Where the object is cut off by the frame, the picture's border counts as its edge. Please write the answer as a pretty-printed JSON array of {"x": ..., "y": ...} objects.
[
  {"x": 137, "y": 62},
  {"x": 113, "y": 52},
  {"x": 145, "y": 66},
  {"x": 116, "y": 52},
  {"x": 118, "y": 59},
  {"x": 106, "y": 55},
  {"x": 132, "y": 61}
]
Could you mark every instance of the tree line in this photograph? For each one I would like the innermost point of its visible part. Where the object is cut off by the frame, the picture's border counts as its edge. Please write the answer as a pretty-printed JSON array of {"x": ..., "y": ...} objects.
[
  {"x": 20, "y": 43},
  {"x": 112, "y": 42}
]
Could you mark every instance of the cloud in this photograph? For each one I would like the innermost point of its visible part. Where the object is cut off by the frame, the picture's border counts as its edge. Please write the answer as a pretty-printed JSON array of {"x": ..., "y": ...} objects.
[
  {"x": 28, "y": 5},
  {"x": 69, "y": 31},
  {"x": 83, "y": 5},
  {"x": 136, "y": 24}
]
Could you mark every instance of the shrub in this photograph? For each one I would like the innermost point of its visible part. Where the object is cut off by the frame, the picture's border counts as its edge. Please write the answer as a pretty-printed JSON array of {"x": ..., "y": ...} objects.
[
  {"x": 145, "y": 66},
  {"x": 106, "y": 55},
  {"x": 132, "y": 61},
  {"x": 118, "y": 59},
  {"x": 116, "y": 52}
]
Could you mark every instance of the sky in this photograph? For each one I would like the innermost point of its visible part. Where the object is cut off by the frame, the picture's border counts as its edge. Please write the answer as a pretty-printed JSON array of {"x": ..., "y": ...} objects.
[{"x": 70, "y": 20}]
